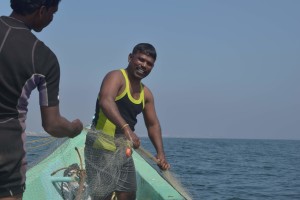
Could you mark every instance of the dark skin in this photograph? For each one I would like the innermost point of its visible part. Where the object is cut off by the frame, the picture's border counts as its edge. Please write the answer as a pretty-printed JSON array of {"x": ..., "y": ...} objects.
[{"x": 139, "y": 67}]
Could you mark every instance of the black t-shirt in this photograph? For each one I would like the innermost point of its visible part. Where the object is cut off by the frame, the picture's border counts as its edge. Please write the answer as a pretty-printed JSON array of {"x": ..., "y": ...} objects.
[{"x": 26, "y": 63}]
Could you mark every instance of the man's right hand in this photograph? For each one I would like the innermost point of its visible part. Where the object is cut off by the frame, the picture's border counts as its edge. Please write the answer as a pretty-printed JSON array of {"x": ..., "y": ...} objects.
[
  {"x": 131, "y": 136},
  {"x": 77, "y": 127},
  {"x": 58, "y": 126}
]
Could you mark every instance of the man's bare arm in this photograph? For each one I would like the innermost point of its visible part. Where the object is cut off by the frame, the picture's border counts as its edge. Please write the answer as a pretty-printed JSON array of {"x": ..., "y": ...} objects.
[{"x": 58, "y": 126}]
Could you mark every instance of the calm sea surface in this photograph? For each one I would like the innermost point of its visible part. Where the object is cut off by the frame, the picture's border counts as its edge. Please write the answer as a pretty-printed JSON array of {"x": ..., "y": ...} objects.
[{"x": 231, "y": 169}]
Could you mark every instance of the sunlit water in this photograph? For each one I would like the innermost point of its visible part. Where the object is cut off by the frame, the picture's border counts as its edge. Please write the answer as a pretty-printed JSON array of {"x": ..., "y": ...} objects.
[{"x": 236, "y": 169}]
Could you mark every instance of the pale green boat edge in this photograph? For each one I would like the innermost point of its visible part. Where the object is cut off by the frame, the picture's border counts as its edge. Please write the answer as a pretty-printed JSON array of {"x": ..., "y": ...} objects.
[{"x": 40, "y": 185}]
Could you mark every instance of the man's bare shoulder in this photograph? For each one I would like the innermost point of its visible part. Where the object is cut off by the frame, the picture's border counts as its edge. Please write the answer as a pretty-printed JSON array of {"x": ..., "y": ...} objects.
[
  {"x": 114, "y": 73},
  {"x": 147, "y": 92},
  {"x": 114, "y": 77}
]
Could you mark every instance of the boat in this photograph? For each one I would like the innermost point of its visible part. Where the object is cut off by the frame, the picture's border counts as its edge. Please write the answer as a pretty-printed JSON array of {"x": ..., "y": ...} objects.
[{"x": 46, "y": 179}]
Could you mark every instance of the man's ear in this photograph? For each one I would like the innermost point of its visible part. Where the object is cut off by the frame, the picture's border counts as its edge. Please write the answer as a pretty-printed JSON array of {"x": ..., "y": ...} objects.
[
  {"x": 42, "y": 11},
  {"x": 129, "y": 57}
]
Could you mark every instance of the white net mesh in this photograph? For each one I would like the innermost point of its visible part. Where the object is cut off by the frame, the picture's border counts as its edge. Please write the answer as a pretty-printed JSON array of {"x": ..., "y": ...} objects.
[{"x": 108, "y": 167}]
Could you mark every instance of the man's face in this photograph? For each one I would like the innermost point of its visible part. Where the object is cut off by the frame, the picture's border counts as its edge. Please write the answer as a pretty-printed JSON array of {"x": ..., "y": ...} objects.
[{"x": 141, "y": 64}]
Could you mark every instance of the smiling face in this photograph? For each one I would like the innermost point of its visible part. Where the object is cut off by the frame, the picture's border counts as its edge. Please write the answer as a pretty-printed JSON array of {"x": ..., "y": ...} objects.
[{"x": 140, "y": 65}]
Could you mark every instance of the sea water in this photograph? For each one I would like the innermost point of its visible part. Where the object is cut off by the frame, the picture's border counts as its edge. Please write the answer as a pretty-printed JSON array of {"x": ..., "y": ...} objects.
[
  {"x": 230, "y": 168},
  {"x": 235, "y": 169}
]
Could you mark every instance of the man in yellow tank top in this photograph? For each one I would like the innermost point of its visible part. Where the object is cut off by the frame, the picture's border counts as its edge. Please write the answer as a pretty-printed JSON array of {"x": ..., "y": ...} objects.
[{"x": 121, "y": 98}]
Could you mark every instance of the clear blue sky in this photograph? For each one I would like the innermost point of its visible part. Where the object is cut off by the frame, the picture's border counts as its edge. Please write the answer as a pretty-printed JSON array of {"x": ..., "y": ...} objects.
[{"x": 225, "y": 69}]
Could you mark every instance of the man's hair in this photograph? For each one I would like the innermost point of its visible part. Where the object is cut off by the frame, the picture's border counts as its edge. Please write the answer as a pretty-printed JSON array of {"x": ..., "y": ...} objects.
[
  {"x": 25, "y": 7},
  {"x": 145, "y": 48}
]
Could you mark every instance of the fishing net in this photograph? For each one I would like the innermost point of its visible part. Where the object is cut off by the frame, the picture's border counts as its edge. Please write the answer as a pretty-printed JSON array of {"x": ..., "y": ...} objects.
[
  {"x": 93, "y": 164},
  {"x": 39, "y": 146},
  {"x": 108, "y": 167}
]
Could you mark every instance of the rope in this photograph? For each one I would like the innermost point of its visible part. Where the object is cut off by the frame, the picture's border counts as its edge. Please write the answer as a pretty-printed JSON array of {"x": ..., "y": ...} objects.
[
  {"x": 39, "y": 140},
  {"x": 167, "y": 175},
  {"x": 82, "y": 176},
  {"x": 44, "y": 144}
]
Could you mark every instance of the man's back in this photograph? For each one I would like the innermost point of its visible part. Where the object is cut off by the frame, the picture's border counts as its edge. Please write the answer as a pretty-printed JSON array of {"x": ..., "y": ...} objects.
[
  {"x": 22, "y": 68},
  {"x": 25, "y": 63}
]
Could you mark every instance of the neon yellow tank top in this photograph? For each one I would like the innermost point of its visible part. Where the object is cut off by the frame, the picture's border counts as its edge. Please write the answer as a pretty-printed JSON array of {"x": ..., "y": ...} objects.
[{"x": 129, "y": 108}]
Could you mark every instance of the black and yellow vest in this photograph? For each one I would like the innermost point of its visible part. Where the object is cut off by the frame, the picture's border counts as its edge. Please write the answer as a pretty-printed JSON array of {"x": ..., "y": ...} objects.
[{"x": 128, "y": 107}]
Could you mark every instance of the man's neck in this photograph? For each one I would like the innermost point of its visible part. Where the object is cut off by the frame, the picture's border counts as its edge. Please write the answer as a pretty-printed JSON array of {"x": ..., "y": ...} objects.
[{"x": 25, "y": 19}]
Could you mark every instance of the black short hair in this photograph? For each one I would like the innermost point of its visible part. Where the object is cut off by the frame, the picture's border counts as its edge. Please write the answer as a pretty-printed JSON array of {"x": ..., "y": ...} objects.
[
  {"x": 25, "y": 7},
  {"x": 145, "y": 48}
]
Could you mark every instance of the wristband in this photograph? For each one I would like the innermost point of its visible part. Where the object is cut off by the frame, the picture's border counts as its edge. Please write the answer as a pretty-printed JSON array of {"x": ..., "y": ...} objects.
[{"x": 124, "y": 126}]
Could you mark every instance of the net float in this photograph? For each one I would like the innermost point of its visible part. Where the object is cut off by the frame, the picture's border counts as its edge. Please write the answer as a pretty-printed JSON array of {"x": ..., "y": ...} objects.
[{"x": 128, "y": 152}]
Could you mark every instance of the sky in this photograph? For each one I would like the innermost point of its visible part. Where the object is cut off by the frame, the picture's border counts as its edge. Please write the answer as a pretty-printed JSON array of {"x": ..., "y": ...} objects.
[{"x": 225, "y": 69}]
